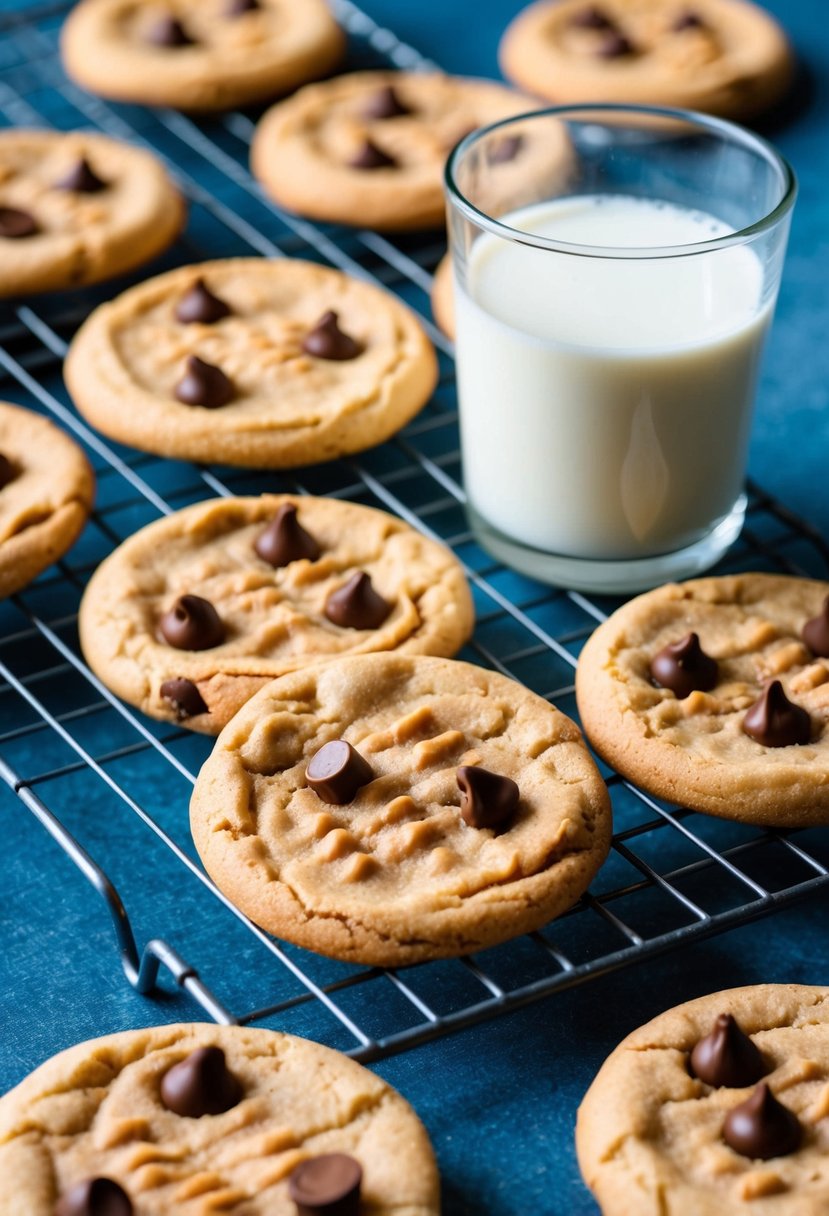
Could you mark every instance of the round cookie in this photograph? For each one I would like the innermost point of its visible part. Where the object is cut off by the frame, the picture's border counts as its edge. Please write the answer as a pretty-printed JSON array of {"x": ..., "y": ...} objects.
[
  {"x": 276, "y": 383},
  {"x": 699, "y": 744},
  {"x": 726, "y": 57},
  {"x": 130, "y": 1108},
  {"x": 331, "y": 811},
  {"x": 274, "y": 617},
  {"x": 199, "y": 54},
  {"x": 46, "y": 493},
  {"x": 78, "y": 208},
  {"x": 654, "y": 1139},
  {"x": 369, "y": 148},
  {"x": 443, "y": 297}
]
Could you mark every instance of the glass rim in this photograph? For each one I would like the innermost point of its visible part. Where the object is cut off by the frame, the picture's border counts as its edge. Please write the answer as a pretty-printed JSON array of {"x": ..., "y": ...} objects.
[{"x": 720, "y": 126}]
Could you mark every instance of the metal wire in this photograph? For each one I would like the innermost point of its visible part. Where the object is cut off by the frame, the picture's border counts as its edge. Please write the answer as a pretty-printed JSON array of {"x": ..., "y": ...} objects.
[{"x": 672, "y": 877}]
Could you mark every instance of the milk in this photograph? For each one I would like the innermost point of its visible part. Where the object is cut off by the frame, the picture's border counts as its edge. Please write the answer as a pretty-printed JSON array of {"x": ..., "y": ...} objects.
[{"x": 606, "y": 402}]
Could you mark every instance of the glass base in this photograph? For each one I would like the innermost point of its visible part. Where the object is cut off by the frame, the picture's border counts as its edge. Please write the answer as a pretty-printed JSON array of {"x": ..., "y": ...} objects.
[{"x": 609, "y": 577}]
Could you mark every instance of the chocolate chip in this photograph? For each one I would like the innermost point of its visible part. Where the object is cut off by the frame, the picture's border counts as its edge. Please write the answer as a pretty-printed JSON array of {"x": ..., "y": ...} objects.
[
  {"x": 8, "y": 471},
  {"x": 688, "y": 21},
  {"x": 356, "y": 605},
  {"x": 592, "y": 19},
  {"x": 94, "y": 1197},
  {"x": 205, "y": 385},
  {"x": 200, "y": 1084},
  {"x": 615, "y": 46},
  {"x": 775, "y": 721},
  {"x": 15, "y": 224},
  {"x": 488, "y": 800},
  {"x": 816, "y": 632},
  {"x": 327, "y": 341},
  {"x": 328, "y": 1185},
  {"x": 235, "y": 8},
  {"x": 372, "y": 157},
  {"x": 684, "y": 667},
  {"x": 337, "y": 771},
  {"x": 385, "y": 103},
  {"x": 81, "y": 179},
  {"x": 168, "y": 31},
  {"x": 504, "y": 150},
  {"x": 200, "y": 304},
  {"x": 727, "y": 1056},
  {"x": 285, "y": 540},
  {"x": 192, "y": 624},
  {"x": 761, "y": 1127},
  {"x": 184, "y": 696}
]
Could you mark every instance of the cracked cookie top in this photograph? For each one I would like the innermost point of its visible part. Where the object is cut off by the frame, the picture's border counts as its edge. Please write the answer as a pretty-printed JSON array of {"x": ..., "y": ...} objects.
[
  {"x": 379, "y": 861},
  {"x": 99, "y": 1110}
]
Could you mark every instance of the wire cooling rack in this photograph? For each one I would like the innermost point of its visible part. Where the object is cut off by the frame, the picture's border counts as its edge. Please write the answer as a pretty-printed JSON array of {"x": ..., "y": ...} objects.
[{"x": 112, "y": 787}]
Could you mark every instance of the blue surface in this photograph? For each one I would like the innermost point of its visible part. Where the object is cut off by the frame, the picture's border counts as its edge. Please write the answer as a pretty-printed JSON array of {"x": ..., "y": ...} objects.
[{"x": 499, "y": 1101}]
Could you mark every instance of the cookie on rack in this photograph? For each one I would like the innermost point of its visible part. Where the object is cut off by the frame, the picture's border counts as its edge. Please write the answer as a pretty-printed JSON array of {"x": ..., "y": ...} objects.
[
  {"x": 200, "y": 1118},
  {"x": 189, "y": 617},
  {"x": 727, "y": 57},
  {"x": 719, "y": 1105},
  {"x": 46, "y": 493},
  {"x": 369, "y": 148},
  {"x": 443, "y": 297},
  {"x": 251, "y": 361},
  {"x": 390, "y": 808},
  {"x": 199, "y": 54},
  {"x": 714, "y": 694},
  {"x": 77, "y": 208}
]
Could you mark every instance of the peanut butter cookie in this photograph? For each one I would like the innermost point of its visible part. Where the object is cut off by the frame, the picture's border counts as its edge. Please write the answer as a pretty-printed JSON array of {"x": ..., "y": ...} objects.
[{"x": 443, "y": 297}]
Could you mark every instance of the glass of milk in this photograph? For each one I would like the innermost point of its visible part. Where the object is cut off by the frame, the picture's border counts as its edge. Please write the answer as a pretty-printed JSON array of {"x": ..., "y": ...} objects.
[{"x": 615, "y": 273}]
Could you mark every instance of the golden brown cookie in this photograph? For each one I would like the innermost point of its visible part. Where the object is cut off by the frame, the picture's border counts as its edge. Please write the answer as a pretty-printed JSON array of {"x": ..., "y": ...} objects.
[
  {"x": 78, "y": 207},
  {"x": 288, "y": 580},
  {"x": 268, "y": 364},
  {"x": 719, "y": 1106},
  {"x": 707, "y": 694},
  {"x": 388, "y": 808},
  {"x": 199, "y": 54},
  {"x": 443, "y": 297},
  {"x": 369, "y": 148},
  {"x": 726, "y": 57},
  {"x": 46, "y": 493},
  {"x": 198, "y": 1119}
]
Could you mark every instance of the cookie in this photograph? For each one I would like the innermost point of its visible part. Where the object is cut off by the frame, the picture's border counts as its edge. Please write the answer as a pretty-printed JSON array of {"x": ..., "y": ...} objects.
[
  {"x": 715, "y": 694},
  {"x": 267, "y": 364},
  {"x": 78, "y": 208},
  {"x": 46, "y": 493},
  {"x": 726, "y": 57},
  {"x": 718, "y": 1106},
  {"x": 199, "y": 54},
  {"x": 197, "y": 1118},
  {"x": 388, "y": 808},
  {"x": 443, "y": 297},
  {"x": 369, "y": 148},
  {"x": 286, "y": 581}
]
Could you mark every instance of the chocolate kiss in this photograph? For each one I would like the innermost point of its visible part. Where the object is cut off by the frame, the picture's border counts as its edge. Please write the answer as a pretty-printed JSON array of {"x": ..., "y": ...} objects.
[
  {"x": 615, "y": 46},
  {"x": 201, "y": 1084},
  {"x": 167, "y": 31},
  {"x": 488, "y": 800},
  {"x": 385, "y": 103},
  {"x": 816, "y": 632},
  {"x": 94, "y": 1197},
  {"x": 81, "y": 179},
  {"x": 337, "y": 771},
  {"x": 684, "y": 667},
  {"x": 285, "y": 540},
  {"x": 203, "y": 384},
  {"x": 192, "y": 624},
  {"x": 761, "y": 1127},
  {"x": 199, "y": 304},
  {"x": 328, "y": 1185},
  {"x": 372, "y": 157},
  {"x": 184, "y": 697},
  {"x": 727, "y": 1056},
  {"x": 327, "y": 341},
  {"x": 15, "y": 224},
  {"x": 592, "y": 19},
  {"x": 356, "y": 605},
  {"x": 775, "y": 721},
  {"x": 7, "y": 471},
  {"x": 235, "y": 8},
  {"x": 688, "y": 21}
]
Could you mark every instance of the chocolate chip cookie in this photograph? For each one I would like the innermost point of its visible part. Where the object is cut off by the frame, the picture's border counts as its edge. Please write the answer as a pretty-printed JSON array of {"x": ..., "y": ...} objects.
[
  {"x": 715, "y": 694},
  {"x": 719, "y": 1105},
  {"x": 390, "y": 808},
  {"x": 198, "y": 1118},
  {"x": 199, "y": 54},
  {"x": 78, "y": 208},
  {"x": 194, "y": 613},
  {"x": 268, "y": 364}
]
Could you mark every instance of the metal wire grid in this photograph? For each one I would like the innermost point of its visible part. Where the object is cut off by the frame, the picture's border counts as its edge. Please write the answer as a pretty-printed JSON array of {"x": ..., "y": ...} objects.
[{"x": 76, "y": 757}]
